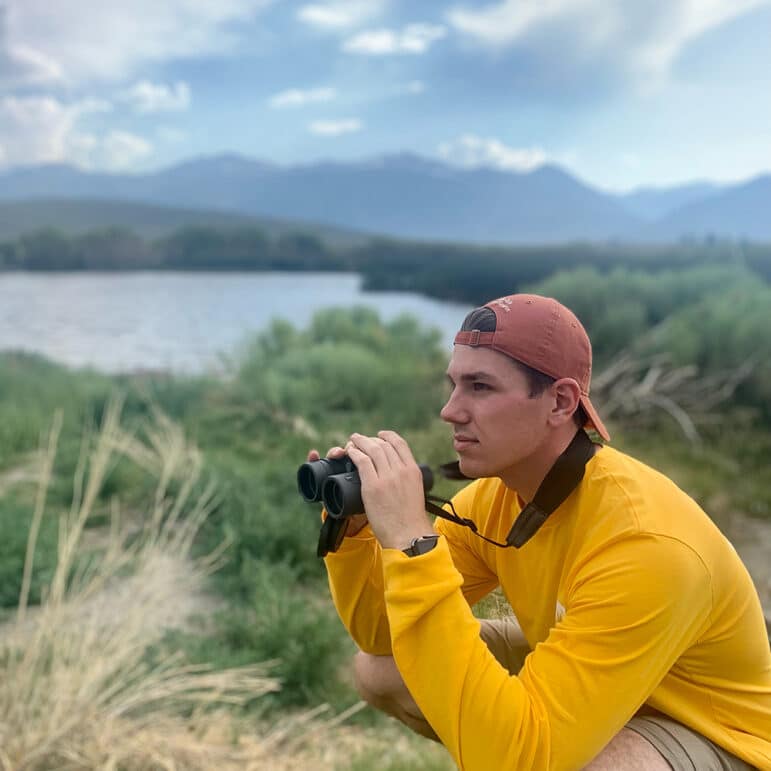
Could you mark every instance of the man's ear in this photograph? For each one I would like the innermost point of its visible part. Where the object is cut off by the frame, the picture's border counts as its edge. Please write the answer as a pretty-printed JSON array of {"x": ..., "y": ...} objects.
[{"x": 567, "y": 396}]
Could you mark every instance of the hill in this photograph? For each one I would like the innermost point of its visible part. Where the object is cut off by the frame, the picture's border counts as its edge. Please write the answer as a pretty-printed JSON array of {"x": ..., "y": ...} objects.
[
  {"x": 741, "y": 211},
  {"x": 73, "y": 216},
  {"x": 407, "y": 196}
]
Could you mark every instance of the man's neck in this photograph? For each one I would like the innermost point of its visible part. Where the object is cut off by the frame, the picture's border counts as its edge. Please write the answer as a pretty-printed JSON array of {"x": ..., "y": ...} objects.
[{"x": 526, "y": 477}]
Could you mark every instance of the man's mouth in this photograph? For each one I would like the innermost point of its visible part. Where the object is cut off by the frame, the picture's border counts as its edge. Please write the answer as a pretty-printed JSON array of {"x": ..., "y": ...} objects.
[{"x": 461, "y": 442}]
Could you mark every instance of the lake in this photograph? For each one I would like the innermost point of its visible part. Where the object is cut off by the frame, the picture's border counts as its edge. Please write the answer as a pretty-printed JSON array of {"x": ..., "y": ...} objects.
[{"x": 120, "y": 322}]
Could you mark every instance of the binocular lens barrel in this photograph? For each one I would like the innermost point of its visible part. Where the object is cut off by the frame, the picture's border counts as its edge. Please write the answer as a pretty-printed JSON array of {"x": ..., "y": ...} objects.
[
  {"x": 342, "y": 495},
  {"x": 308, "y": 484},
  {"x": 336, "y": 482},
  {"x": 312, "y": 475},
  {"x": 334, "y": 500}
]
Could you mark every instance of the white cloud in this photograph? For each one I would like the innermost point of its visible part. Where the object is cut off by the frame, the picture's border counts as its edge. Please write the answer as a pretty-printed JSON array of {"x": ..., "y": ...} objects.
[
  {"x": 335, "y": 128},
  {"x": 413, "y": 39},
  {"x": 122, "y": 150},
  {"x": 297, "y": 97},
  {"x": 415, "y": 87},
  {"x": 690, "y": 19},
  {"x": 20, "y": 65},
  {"x": 43, "y": 129},
  {"x": 88, "y": 40},
  {"x": 90, "y": 106},
  {"x": 39, "y": 129},
  {"x": 341, "y": 14},
  {"x": 505, "y": 22},
  {"x": 170, "y": 134},
  {"x": 471, "y": 151},
  {"x": 410, "y": 88},
  {"x": 631, "y": 161},
  {"x": 596, "y": 27},
  {"x": 147, "y": 97}
]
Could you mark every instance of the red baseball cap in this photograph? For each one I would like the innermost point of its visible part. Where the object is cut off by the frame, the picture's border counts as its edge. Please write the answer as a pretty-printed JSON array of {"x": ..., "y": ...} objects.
[{"x": 545, "y": 335}]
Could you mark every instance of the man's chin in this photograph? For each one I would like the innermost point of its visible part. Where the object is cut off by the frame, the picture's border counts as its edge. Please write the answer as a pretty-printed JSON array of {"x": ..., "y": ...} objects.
[{"x": 473, "y": 470}]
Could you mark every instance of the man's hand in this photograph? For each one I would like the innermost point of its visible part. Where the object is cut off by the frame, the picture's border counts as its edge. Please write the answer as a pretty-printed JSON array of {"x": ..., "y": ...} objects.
[
  {"x": 356, "y": 522},
  {"x": 391, "y": 488}
]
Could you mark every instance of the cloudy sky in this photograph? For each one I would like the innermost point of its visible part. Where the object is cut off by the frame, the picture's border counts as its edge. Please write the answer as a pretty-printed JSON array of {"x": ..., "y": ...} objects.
[{"x": 622, "y": 93}]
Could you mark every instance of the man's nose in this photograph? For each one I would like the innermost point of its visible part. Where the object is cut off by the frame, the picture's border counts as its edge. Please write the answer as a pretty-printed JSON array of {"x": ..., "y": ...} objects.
[{"x": 453, "y": 412}]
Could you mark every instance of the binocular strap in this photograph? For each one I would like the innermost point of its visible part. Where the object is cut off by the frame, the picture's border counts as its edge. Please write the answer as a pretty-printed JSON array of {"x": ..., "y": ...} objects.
[
  {"x": 562, "y": 478},
  {"x": 331, "y": 535}
]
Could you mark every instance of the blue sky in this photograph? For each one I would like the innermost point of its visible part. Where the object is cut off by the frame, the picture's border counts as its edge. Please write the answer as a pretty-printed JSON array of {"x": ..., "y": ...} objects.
[{"x": 622, "y": 93}]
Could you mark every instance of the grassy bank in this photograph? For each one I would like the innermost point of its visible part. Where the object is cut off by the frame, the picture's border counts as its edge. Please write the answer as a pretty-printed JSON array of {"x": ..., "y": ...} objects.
[{"x": 201, "y": 472}]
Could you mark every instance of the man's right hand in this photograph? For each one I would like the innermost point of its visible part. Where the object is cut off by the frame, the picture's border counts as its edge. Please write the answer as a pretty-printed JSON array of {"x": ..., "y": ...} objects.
[{"x": 357, "y": 521}]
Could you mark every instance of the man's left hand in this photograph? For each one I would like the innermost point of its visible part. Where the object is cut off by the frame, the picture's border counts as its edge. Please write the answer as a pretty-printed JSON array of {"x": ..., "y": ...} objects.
[{"x": 391, "y": 488}]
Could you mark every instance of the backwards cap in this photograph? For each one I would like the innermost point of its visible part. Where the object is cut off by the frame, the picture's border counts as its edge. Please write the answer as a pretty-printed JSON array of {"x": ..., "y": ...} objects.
[{"x": 545, "y": 335}]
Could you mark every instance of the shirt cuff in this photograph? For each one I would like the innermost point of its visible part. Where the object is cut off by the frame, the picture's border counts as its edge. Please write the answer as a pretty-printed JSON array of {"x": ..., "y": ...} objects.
[{"x": 414, "y": 585}]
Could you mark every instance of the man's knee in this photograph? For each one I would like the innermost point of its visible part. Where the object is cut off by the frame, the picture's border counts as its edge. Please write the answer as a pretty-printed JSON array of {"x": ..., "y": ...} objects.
[
  {"x": 381, "y": 686},
  {"x": 376, "y": 678},
  {"x": 628, "y": 751}
]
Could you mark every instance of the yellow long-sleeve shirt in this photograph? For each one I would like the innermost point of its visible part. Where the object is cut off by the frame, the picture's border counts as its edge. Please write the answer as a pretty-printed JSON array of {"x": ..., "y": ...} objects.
[{"x": 628, "y": 595}]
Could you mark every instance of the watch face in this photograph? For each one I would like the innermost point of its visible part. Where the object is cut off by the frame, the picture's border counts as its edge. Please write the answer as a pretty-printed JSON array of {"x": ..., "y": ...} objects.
[{"x": 421, "y": 545}]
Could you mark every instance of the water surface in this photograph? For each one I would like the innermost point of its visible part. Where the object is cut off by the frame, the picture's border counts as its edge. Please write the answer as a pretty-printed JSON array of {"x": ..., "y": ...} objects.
[{"x": 120, "y": 322}]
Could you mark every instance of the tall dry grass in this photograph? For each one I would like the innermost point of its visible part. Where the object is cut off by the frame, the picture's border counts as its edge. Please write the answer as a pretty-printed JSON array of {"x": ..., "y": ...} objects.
[{"x": 78, "y": 689}]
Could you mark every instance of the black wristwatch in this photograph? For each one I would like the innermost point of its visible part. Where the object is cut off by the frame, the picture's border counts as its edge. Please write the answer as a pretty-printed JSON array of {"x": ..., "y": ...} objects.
[{"x": 421, "y": 545}]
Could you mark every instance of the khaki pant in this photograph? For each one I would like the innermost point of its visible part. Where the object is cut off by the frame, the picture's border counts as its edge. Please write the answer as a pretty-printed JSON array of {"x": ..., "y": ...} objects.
[{"x": 682, "y": 748}]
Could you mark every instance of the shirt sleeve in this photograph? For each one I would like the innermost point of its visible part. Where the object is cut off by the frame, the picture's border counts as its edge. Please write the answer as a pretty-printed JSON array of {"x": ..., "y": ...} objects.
[
  {"x": 355, "y": 573},
  {"x": 623, "y": 630}
]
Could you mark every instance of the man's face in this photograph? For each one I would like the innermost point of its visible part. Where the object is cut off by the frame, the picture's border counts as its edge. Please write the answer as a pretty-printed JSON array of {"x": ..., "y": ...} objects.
[{"x": 496, "y": 425}]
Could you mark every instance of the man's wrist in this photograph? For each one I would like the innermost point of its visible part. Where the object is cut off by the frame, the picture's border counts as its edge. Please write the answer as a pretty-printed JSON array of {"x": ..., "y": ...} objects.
[
  {"x": 421, "y": 545},
  {"x": 355, "y": 525}
]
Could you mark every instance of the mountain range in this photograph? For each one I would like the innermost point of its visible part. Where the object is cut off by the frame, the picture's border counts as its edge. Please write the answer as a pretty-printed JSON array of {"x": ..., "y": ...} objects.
[{"x": 408, "y": 196}]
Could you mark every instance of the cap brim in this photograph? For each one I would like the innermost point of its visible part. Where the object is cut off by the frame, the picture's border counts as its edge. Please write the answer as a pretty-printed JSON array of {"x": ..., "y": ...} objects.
[{"x": 594, "y": 419}]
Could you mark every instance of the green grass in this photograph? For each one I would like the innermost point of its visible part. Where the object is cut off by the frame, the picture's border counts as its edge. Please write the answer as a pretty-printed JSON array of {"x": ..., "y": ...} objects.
[
  {"x": 396, "y": 749},
  {"x": 296, "y": 629},
  {"x": 15, "y": 520},
  {"x": 291, "y": 391}
]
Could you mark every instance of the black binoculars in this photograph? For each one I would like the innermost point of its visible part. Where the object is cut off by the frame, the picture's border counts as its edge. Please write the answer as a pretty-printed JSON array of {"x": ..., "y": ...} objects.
[{"x": 336, "y": 482}]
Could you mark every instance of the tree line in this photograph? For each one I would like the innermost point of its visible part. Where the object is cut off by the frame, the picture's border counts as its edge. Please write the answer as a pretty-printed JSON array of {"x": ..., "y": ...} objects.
[
  {"x": 475, "y": 273},
  {"x": 465, "y": 273},
  {"x": 189, "y": 248}
]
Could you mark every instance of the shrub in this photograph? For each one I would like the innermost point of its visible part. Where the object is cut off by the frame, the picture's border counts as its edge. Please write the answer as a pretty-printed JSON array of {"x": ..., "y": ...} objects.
[
  {"x": 348, "y": 366},
  {"x": 618, "y": 308}
]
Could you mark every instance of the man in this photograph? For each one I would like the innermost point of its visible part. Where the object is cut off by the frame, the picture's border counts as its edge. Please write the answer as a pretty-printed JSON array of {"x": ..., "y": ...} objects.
[{"x": 646, "y": 639}]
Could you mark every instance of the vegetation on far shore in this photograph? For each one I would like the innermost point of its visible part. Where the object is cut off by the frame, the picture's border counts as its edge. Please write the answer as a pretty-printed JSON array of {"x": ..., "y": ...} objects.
[
  {"x": 462, "y": 272},
  {"x": 682, "y": 372}
]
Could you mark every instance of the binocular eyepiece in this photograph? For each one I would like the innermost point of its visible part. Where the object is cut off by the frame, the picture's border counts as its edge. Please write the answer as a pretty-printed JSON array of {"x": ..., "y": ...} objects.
[{"x": 336, "y": 482}]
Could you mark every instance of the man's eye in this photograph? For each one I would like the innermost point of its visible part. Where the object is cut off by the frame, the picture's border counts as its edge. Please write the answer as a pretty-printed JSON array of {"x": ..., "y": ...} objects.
[{"x": 477, "y": 386}]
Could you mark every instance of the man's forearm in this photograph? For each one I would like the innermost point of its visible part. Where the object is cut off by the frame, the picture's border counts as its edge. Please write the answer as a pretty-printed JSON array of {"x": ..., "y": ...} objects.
[{"x": 356, "y": 583}]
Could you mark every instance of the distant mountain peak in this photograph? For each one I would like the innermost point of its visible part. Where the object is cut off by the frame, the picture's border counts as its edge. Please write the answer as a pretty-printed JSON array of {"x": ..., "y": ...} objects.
[
  {"x": 414, "y": 196},
  {"x": 225, "y": 163}
]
